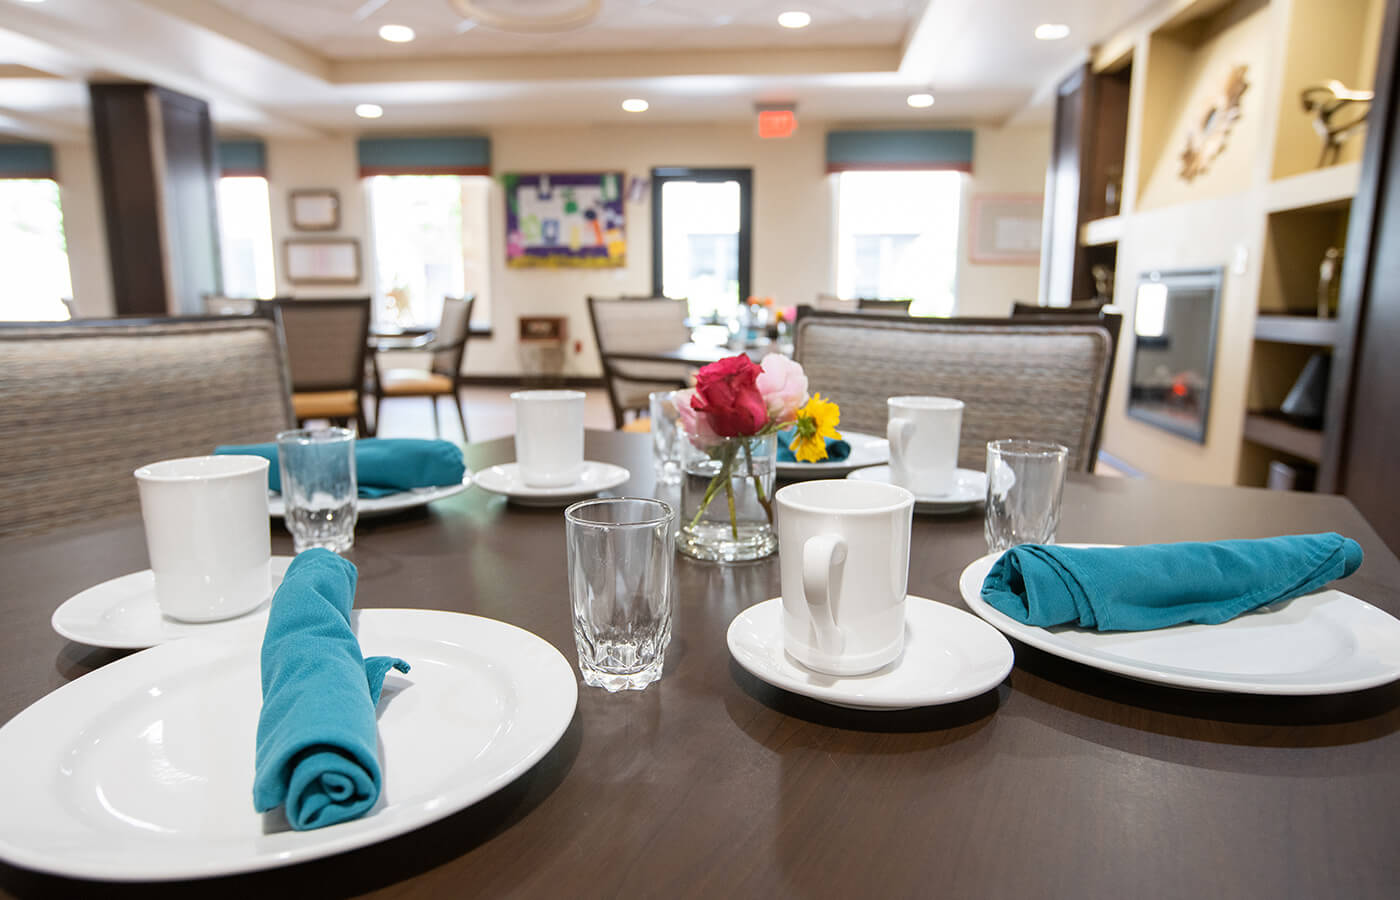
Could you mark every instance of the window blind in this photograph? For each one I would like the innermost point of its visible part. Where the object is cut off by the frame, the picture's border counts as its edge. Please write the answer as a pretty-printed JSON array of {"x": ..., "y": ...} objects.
[
  {"x": 425, "y": 156},
  {"x": 27, "y": 160},
  {"x": 930, "y": 149},
  {"x": 243, "y": 158}
]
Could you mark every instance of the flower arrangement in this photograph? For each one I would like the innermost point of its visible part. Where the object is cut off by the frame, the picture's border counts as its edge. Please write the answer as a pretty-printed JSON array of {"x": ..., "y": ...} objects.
[{"x": 735, "y": 400}]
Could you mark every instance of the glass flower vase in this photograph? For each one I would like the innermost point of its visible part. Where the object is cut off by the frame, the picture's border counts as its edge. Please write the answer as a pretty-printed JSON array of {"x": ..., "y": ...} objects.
[{"x": 727, "y": 499}]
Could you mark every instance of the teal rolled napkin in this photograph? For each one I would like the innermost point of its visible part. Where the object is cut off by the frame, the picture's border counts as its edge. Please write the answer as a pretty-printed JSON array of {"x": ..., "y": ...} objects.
[
  {"x": 382, "y": 465},
  {"x": 836, "y": 450},
  {"x": 1157, "y": 585},
  {"x": 317, "y": 745}
]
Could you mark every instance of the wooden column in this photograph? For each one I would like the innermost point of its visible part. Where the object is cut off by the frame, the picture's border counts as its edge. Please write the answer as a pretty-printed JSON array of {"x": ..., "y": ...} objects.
[{"x": 156, "y": 157}]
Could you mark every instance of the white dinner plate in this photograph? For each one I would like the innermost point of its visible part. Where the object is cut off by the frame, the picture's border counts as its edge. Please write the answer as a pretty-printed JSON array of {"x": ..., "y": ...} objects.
[
  {"x": 948, "y": 656},
  {"x": 143, "y": 769},
  {"x": 969, "y": 490},
  {"x": 505, "y": 479},
  {"x": 368, "y": 507},
  {"x": 1327, "y": 642},
  {"x": 122, "y": 614},
  {"x": 866, "y": 450}
]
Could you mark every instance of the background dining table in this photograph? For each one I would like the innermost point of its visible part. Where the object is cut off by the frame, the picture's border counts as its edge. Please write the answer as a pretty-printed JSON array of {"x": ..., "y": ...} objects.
[{"x": 1064, "y": 781}]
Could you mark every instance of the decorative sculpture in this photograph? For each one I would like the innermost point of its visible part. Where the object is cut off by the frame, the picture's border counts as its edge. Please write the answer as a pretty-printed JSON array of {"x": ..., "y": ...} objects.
[
  {"x": 1329, "y": 282},
  {"x": 1208, "y": 139},
  {"x": 1338, "y": 113}
]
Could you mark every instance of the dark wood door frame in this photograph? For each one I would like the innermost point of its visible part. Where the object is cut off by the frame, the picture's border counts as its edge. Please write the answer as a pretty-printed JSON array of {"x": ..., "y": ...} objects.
[{"x": 662, "y": 175}]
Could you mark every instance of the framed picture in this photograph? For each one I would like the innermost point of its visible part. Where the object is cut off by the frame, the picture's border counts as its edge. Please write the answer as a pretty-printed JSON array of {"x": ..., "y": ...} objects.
[
  {"x": 565, "y": 220},
  {"x": 315, "y": 210},
  {"x": 1004, "y": 229},
  {"x": 322, "y": 260}
]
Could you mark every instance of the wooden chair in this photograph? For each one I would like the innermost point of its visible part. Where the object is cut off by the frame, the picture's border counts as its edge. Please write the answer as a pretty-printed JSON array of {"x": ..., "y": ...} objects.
[
  {"x": 1031, "y": 378},
  {"x": 638, "y": 325},
  {"x": 83, "y": 404},
  {"x": 443, "y": 377},
  {"x": 326, "y": 344}
]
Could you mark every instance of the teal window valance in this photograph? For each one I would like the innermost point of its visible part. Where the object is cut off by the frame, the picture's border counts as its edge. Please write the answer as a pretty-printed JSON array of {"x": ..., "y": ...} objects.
[
  {"x": 927, "y": 149},
  {"x": 26, "y": 160},
  {"x": 425, "y": 156},
  {"x": 243, "y": 158}
]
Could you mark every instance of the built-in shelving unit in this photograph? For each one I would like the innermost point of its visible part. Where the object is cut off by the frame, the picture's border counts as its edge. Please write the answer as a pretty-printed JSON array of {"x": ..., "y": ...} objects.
[
  {"x": 1278, "y": 433},
  {"x": 1098, "y": 232},
  {"x": 1326, "y": 188},
  {"x": 1296, "y": 330}
]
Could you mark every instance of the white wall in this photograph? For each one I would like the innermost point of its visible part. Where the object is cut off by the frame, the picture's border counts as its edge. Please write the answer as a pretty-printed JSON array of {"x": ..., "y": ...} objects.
[{"x": 301, "y": 165}]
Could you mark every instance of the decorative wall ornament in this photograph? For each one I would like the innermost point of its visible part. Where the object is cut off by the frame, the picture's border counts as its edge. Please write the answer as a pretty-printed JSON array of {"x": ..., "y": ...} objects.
[
  {"x": 1207, "y": 140},
  {"x": 1338, "y": 113}
]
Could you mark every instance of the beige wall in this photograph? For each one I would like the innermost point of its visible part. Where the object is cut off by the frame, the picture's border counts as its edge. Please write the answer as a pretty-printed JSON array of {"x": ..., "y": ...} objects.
[
  {"x": 794, "y": 229},
  {"x": 84, "y": 230}
]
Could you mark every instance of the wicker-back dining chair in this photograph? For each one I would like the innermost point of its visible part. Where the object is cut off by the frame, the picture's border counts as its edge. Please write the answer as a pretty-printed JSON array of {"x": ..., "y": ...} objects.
[
  {"x": 443, "y": 377},
  {"x": 634, "y": 325},
  {"x": 84, "y": 404},
  {"x": 326, "y": 344},
  {"x": 1028, "y": 378}
]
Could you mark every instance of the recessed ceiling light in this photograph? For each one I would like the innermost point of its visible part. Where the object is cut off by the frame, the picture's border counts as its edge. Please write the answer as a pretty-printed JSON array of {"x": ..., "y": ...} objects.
[
  {"x": 1051, "y": 32},
  {"x": 369, "y": 110},
  {"x": 396, "y": 34},
  {"x": 920, "y": 101},
  {"x": 635, "y": 104},
  {"x": 794, "y": 19}
]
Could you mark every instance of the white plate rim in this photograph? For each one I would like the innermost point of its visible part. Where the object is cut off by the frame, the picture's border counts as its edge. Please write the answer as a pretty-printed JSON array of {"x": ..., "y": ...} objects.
[
  {"x": 91, "y": 598},
  {"x": 970, "y": 585},
  {"x": 389, "y": 503},
  {"x": 925, "y": 504},
  {"x": 758, "y": 667},
  {"x": 97, "y": 688},
  {"x": 610, "y": 476},
  {"x": 859, "y": 441}
]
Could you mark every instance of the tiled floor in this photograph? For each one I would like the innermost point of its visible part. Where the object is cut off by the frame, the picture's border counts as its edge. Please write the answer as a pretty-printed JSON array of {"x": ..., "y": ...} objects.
[{"x": 489, "y": 414}]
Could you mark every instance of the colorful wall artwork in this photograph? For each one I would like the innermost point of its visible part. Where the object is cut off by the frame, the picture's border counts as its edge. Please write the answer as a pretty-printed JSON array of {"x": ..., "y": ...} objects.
[{"x": 565, "y": 220}]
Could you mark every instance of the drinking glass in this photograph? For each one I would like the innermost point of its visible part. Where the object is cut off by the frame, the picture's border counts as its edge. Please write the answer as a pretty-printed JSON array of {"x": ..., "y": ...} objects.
[
  {"x": 1025, "y": 480},
  {"x": 621, "y": 551},
  {"x": 665, "y": 436},
  {"x": 317, "y": 468}
]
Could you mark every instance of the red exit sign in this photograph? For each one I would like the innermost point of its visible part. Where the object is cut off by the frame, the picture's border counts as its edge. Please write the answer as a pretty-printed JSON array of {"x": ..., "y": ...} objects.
[{"x": 776, "y": 123}]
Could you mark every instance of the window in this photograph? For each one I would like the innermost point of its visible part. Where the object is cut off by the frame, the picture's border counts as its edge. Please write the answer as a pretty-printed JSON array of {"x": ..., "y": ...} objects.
[
  {"x": 700, "y": 238},
  {"x": 33, "y": 252},
  {"x": 430, "y": 242},
  {"x": 897, "y": 237},
  {"x": 245, "y": 237}
]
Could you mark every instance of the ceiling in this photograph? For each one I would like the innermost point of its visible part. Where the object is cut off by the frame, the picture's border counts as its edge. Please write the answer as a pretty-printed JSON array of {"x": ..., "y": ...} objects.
[{"x": 297, "y": 68}]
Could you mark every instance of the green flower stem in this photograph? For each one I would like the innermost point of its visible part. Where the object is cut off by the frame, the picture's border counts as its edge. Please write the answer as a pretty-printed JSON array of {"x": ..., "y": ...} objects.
[
  {"x": 733, "y": 520},
  {"x": 721, "y": 478},
  {"x": 758, "y": 485}
]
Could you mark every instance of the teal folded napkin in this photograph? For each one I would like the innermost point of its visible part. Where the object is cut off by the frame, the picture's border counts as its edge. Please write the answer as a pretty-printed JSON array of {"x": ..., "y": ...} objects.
[
  {"x": 317, "y": 745},
  {"x": 1157, "y": 585},
  {"x": 382, "y": 465},
  {"x": 836, "y": 449}
]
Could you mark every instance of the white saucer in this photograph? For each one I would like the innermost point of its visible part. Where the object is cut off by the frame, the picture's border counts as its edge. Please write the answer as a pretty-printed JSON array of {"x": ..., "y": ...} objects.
[
  {"x": 949, "y": 655},
  {"x": 369, "y": 507},
  {"x": 969, "y": 489},
  {"x": 505, "y": 479},
  {"x": 122, "y": 614}
]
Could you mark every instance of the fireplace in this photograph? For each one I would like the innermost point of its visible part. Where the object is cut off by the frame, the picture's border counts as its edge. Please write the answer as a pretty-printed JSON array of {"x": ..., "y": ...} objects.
[{"x": 1174, "y": 323}]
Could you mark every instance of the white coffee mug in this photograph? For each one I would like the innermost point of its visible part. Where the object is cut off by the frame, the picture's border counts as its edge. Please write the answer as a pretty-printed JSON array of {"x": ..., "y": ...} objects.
[
  {"x": 924, "y": 433},
  {"x": 549, "y": 437},
  {"x": 844, "y": 552},
  {"x": 207, "y": 534}
]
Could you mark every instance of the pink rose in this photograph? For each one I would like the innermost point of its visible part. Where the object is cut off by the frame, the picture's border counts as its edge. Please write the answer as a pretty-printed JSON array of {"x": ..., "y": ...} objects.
[
  {"x": 783, "y": 385},
  {"x": 725, "y": 393},
  {"x": 697, "y": 429}
]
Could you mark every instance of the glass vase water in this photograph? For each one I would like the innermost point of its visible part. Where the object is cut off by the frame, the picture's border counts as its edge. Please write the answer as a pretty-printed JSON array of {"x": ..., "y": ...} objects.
[{"x": 727, "y": 499}]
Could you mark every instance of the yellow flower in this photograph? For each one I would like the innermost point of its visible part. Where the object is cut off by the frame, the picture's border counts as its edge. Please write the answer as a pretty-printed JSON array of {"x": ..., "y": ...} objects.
[{"x": 816, "y": 422}]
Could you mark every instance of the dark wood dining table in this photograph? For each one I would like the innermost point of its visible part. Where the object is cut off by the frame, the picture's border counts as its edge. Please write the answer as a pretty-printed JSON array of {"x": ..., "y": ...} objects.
[
  {"x": 1064, "y": 781},
  {"x": 694, "y": 354}
]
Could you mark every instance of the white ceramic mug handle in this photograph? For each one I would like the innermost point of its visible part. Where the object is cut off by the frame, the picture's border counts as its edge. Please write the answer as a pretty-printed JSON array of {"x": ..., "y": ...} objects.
[
  {"x": 823, "y": 558},
  {"x": 899, "y": 432}
]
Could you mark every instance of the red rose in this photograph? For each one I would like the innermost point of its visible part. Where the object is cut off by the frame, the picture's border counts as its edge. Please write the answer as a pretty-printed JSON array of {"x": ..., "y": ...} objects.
[{"x": 726, "y": 392}]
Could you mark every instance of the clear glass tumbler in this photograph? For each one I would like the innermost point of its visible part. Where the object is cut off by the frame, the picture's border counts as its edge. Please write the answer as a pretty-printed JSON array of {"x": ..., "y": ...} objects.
[
  {"x": 621, "y": 553},
  {"x": 1025, "y": 480},
  {"x": 665, "y": 436},
  {"x": 319, "y": 490}
]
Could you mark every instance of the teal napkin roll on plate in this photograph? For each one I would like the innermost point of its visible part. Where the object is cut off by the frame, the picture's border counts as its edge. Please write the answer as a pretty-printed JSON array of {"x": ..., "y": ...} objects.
[
  {"x": 836, "y": 450},
  {"x": 382, "y": 465},
  {"x": 1157, "y": 585},
  {"x": 317, "y": 745}
]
